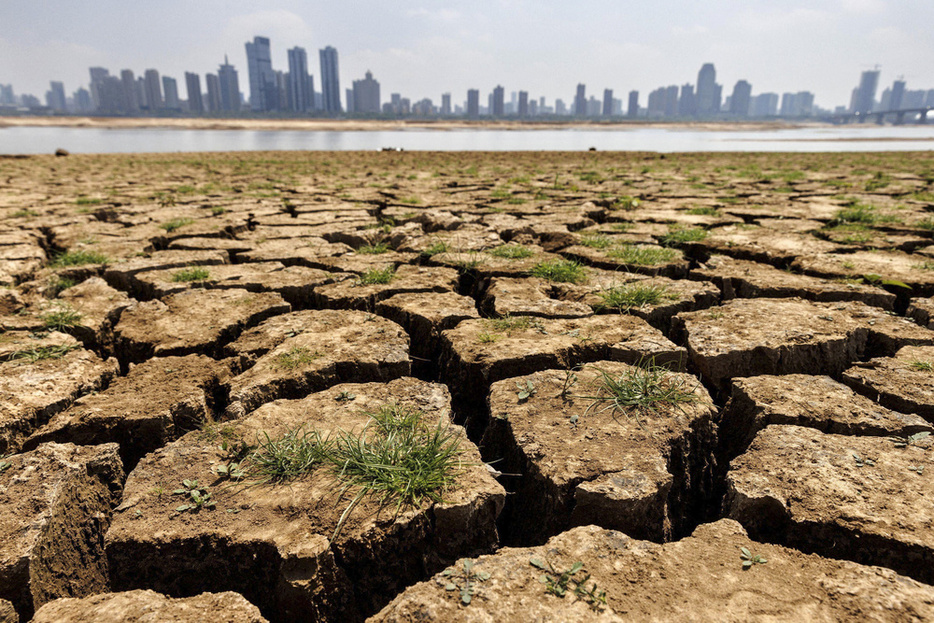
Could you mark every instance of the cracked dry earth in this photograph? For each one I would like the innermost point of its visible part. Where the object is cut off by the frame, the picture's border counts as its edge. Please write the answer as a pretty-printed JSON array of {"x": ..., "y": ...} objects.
[{"x": 165, "y": 316}]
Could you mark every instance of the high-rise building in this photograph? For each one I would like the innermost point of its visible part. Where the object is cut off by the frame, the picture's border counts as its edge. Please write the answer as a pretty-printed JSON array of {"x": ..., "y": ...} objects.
[
  {"x": 330, "y": 81},
  {"x": 671, "y": 101},
  {"x": 739, "y": 101},
  {"x": 898, "y": 95},
  {"x": 55, "y": 98},
  {"x": 130, "y": 89},
  {"x": 300, "y": 99},
  {"x": 446, "y": 104},
  {"x": 229, "y": 87},
  {"x": 497, "y": 109},
  {"x": 170, "y": 88},
  {"x": 864, "y": 97},
  {"x": 153, "y": 90},
  {"x": 193, "y": 86},
  {"x": 580, "y": 101},
  {"x": 7, "y": 97},
  {"x": 633, "y": 109},
  {"x": 97, "y": 82},
  {"x": 264, "y": 90},
  {"x": 366, "y": 95},
  {"x": 607, "y": 102},
  {"x": 687, "y": 103},
  {"x": 215, "y": 102},
  {"x": 560, "y": 107},
  {"x": 523, "y": 105},
  {"x": 708, "y": 91},
  {"x": 141, "y": 93},
  {"x": 764, "y": 105},
  {"x": 82, "y": 99},
  {"x": 473, "y": 102}
]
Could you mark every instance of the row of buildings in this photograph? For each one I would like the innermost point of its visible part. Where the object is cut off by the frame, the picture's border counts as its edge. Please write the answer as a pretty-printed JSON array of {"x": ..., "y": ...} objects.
[{"x": 292, "y": 92}]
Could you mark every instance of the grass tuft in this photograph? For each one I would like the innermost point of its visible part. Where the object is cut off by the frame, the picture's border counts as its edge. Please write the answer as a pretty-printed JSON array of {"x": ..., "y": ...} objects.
[
  {"x": 295, "y": 357},
  {"x": 642, "y": 255},
  {"x": 292, "y": 455},
  {"x": 176, "y": 223},
  {"x": 78, "y": 258},
  {"x": 511, "y": 252},
  {"x": 374, "y": 249},
  {"x": 61, "y": 318},
  {"x": 641, "y": 389},
  {"x": 597, "y": 241},
  {"x": 195, "y": 273},
  {"x": 377, "y": 276},
  {"x": 560, "y": 270},
  {"x": 683, "y": 235},
  {"x": 41, "y": 353},
  {"x": 921, "y": 366},
  {"x": 631, "y": 295}
]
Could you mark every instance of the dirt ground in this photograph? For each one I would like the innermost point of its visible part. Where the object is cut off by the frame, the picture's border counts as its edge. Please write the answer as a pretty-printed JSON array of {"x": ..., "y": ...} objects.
[{"x": 681, "y": 386}]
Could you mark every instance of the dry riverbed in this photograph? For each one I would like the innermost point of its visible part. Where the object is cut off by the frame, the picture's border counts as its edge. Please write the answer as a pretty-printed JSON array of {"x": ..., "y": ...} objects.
[{"x": 460, "y": 386}]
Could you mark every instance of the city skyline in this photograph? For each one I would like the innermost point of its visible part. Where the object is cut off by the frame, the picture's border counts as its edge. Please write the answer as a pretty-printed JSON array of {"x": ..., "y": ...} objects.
[{"x": 542, "y": 48}]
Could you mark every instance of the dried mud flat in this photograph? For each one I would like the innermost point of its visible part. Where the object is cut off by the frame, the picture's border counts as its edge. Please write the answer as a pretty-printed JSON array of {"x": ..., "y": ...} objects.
[{"x": 482, "y": 387}]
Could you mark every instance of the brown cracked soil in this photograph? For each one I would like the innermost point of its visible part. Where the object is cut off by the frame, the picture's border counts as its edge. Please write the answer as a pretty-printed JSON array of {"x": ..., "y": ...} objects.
[{"x": 162, "y": 314}]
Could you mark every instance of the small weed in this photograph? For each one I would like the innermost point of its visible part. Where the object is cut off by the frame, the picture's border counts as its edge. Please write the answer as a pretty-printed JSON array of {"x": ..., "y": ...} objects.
[
  {"x": 41, "y": 353},
  {"x": 57, "y": 285},
  {"x": 918, "y": 469},
  {"x": 910, "y": 440},
  {"x": 526, "y": 390},
  {"x": 217, "y": 211},
  {"x": 345, "y": 396},
  {"x": 195, "y": 273},
  {"x": 855, "y": 213},
  {"x": 560, "y": 271},
  {"x": 921, "y": 366},
  {"x": 642, "y": 255},
  {"x": 436, "y": 248},
  {"x": 176, "y": 223},
  {"x": 4, "y": 465},
  {"x": 467, "y": 578},
  {"x": 199, "y": 497},
  {"x": 24, "y": 213},
  {"x": 61, "y": 318},
  {"x": 377, "y": 276},
  {"x": 511, "y": 252},
  {"x": 683, "y": 235},
  {"x": 625, "y": 203},
  {"x": 704, "y": 211},
  {"x": 641, "y": 389},
  {"x": 295, "y": 357},
  {"x": 410, "y": 200},
  {"x": 632, "y": 295},
  {"x": 292, "y": 455},
  {"x": 622, "y": 226},
  {"x": 374, "y": 249},
  {"x": 926, "y": 265},
  {"x": 78, "y": 258},
  {"x": 597, "y": 241},
  {"x": 88, "y": 201},
  {"x": 488, "y": 338},
  {"x": 509, "y": 324},
  {"x": 861, "y": 462},
  {"x": 749, "y": 559},
  {"x": 559, "y": 582}
]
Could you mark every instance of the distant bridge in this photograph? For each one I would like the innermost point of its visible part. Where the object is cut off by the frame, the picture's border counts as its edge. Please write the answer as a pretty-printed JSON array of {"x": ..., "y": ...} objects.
[{"x": 879, "y": 117}]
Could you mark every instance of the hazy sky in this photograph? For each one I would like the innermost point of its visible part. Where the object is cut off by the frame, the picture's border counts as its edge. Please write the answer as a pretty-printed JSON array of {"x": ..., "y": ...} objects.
[{"x": 423, "y": 48}]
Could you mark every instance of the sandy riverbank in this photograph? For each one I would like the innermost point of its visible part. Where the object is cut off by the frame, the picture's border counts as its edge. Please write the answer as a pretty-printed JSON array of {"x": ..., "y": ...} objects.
[{"x": 362, "y": 125}]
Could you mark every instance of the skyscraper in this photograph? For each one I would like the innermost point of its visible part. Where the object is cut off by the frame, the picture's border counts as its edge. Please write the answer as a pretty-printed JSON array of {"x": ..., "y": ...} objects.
[
  {"x": 193, "y": 86},
  {"x": 633, "y": 109},
  {"x": 523, "y": 108},
  {"x": 215, "y": 101},
  {"x": 580, "y": 101},
  {"x": 498, "y": 108},
  {"x": 687, "y": 104},
  {"x": 153, "y": 89},
  {"x": 473, "y": 102},
  {"x": 445, "y": 103},
  {"x": 366, "y": 95},
  {"x": 739, "y": 101},
  {"x": 607, "y": 102},
  {"x": 708, "y": 91},
  {"x": 263, "y": 87},
  {"x": 300, "y": 97},
  {"x": 129, "y": 87},
  {"x": 330, "y": 81},
  {"x": 865, "y": 94},
  {"x": 170, "y": 87},
  {"x": 898, "y": 95},
  {"x": 229, "y": 87},
  {"x": 97, "y": 83},
  {"x": 55, "y": 98}
]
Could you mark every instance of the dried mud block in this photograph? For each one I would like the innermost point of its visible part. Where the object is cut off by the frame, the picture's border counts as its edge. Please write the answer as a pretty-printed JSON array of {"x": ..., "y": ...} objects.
[
  {"x": 464, "y": 239},
  {"x": 155, "y": 403},
  {"x": 353, "y": 294},
  {"x": 360, "y": 263},
  {"x": 644, "y": 470},
  {"x": 763, "y": 245},
  {"x": 912, "y": 270},
  {"x": 747, "y": 280},
  {"x": 425, "y": 315},
  {"x": 194, "y": 321},
  {"x": 751, "y": 337},
  {"x": 273, "y": 544},
  {"x": 296, "y": 284},
  {"x": 99, "y": 307},
  {"x": 699, "y": 578},
  {"x": 904, "y": 382},
  {"x": 646, "y": 259},
  {"x": 922, "y": 312},
  {"x": 866, "y": 499},
  {"x": 816, "y": 402},
  {"x": 49, "y": 380},
  {"x": 505, "y": 260},
  {"x": 528, "y": 297},
  {"x": 477, "y": 353},
  {"x": 55, "y": 506},
  {"x": 142, "y": 605},
  {"x": 16, "y": 271},
  {"x": 32, "y": 342},
  {"x": 327, "y": 348},
  {"x": 8, "y": 612},
  {"x": 293, "y": 251},
  {"x": 654, "y": 299},
  {"x": 121, "y": 275},
  {"x": 233, "y": 247}
]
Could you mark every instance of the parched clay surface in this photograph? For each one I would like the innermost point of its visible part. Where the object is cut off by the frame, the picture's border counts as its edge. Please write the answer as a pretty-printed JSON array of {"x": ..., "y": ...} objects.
[{"x": 149, "y": 607}]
